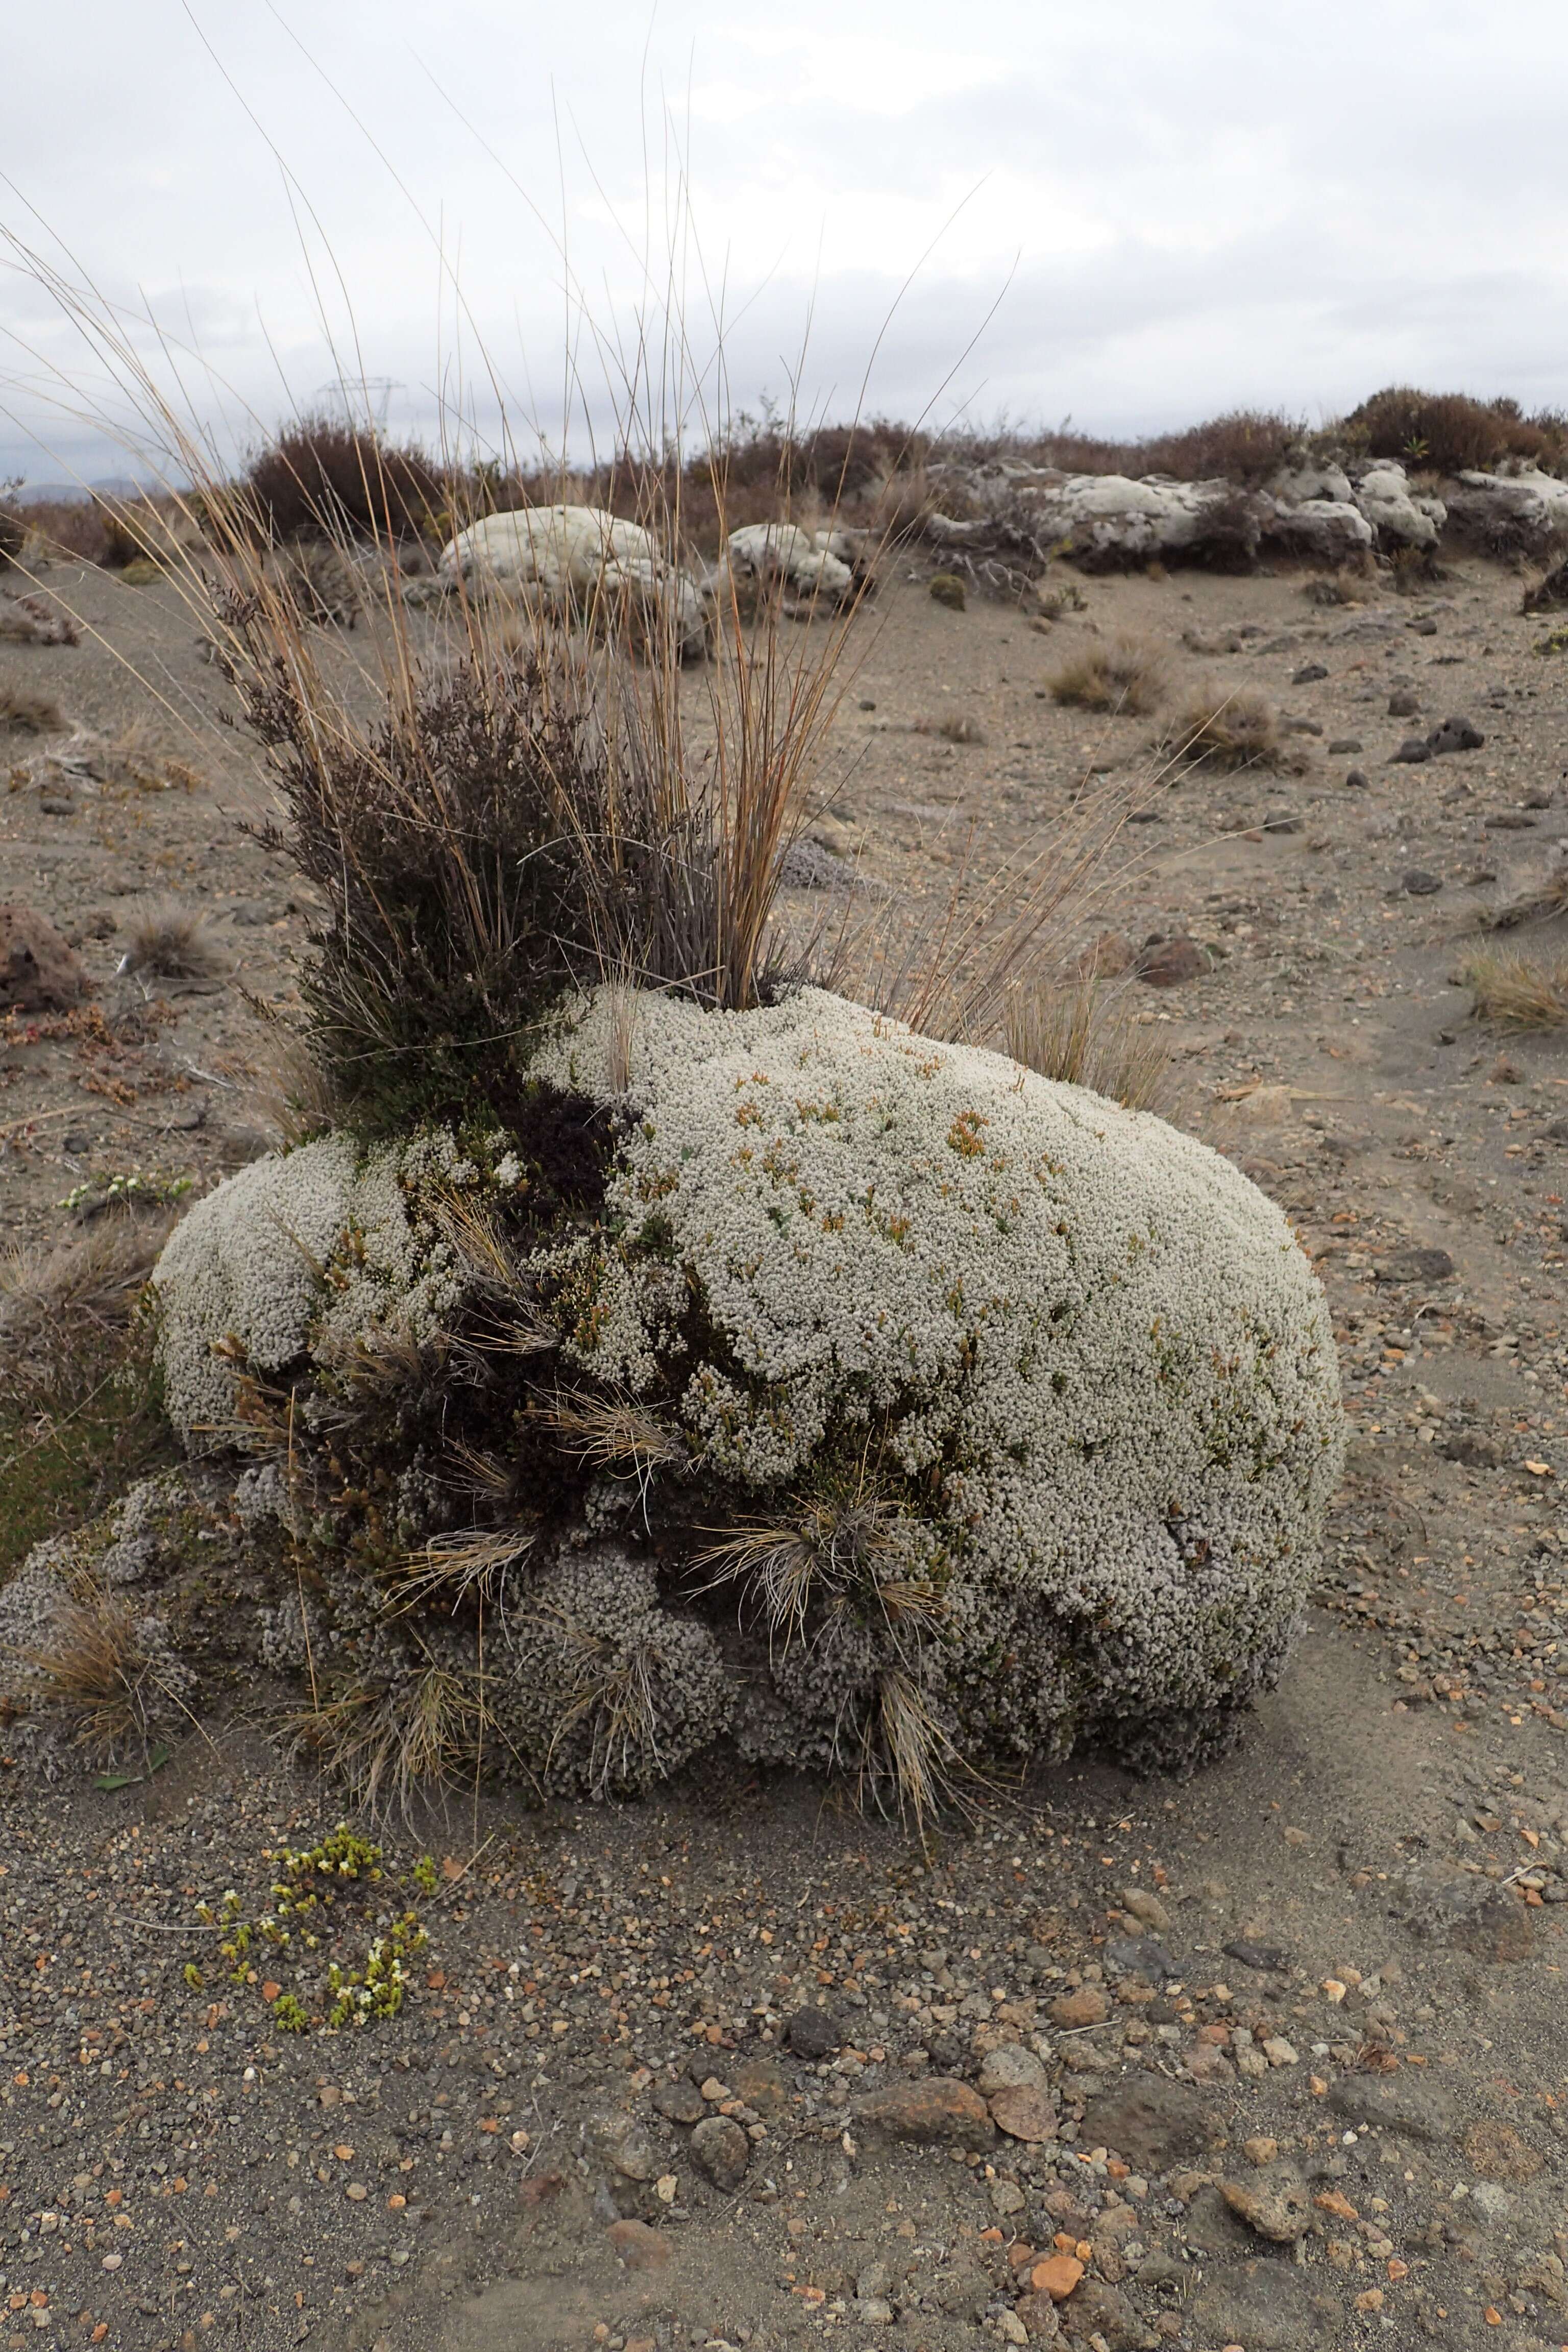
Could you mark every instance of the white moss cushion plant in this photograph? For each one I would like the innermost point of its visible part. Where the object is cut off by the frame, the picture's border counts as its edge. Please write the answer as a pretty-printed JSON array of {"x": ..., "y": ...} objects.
[{"x": 932, "y": 1412}]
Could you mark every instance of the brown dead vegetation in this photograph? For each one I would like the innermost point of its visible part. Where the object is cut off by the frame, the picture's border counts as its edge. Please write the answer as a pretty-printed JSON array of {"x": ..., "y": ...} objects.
[
  {"x": 1214, "y": 729},
  {"x": 1124, "y": 676},
  {"x": 1519, "y": 992}
]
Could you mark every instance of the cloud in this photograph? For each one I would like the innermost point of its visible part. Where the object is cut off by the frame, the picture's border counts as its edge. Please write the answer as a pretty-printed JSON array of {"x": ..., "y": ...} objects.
[{"x": 1140, "y": 213}]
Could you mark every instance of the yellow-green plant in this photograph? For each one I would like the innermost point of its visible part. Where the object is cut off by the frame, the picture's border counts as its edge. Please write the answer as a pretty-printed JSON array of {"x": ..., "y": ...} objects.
[{"x": 309, "y": 1882}]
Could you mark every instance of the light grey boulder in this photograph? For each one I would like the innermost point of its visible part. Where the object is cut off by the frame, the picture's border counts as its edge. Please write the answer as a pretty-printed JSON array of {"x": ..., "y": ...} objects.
[
  {"x": 1109, "y": 518},
  {"x": 582, "y": 564},
  {"x": 1330, "y": 529},
  {"x": 1399, "y": 516},
  {"x": 943, "y": 1412},
  {"x": 1524, "y": 508},
  {"x": 811, "y": 567}
]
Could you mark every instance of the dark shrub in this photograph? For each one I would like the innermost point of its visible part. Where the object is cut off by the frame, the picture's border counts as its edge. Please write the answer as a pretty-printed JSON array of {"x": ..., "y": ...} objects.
[
  {"x": 324, "y": 479},
  {"x": 759, "y": 472},
  {"x": 1451, "y": 433},
  {"x": 481, "y": 849},
  {"x": 13, "y": 537},
  {"x": 1245, "y": 447}
]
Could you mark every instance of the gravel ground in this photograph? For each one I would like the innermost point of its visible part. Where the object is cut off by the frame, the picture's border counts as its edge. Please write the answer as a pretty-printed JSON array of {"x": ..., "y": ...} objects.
[{"x": 1344, "y": 1940}]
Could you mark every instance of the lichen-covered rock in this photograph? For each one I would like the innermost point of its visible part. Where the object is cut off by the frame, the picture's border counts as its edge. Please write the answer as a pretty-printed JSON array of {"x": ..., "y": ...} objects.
[
  {"x": 1400, "y": 516},
  {"x": 296, "y": 1252},
  {"x": 813, "y": 567},
  {"x": 600, "y": 1687},
  {"x": 584, "y": 562},
  {"x": 1521, "y": 509},
  {"x": 1312, "y": 511},
  {"x": 895, "y": 1403},
  {"x": 1109, "y": 519},
  {"x": 1093, "y": 1370}
]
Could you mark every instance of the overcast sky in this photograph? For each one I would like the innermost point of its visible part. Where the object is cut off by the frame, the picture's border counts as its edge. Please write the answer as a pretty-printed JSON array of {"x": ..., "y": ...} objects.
[{"x": 1136, "y": 212}]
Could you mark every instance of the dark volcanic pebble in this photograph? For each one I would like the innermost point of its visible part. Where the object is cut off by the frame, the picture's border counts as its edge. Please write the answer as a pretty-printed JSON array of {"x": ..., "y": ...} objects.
[{"x": 814, "y": 2034}]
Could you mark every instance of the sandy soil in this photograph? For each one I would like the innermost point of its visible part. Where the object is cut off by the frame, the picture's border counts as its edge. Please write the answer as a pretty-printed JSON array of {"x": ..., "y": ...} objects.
[{"x": 1372, "y": 1885}]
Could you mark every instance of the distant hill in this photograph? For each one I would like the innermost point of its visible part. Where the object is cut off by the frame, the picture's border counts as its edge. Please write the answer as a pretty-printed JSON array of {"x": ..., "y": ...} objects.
[{"x": 111, "y": 486}]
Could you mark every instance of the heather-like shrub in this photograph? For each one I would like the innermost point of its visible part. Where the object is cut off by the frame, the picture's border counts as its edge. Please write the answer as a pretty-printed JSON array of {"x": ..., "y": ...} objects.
[
  {"x": 494, "y": 842},
  {"x": 320, "y": 479},
  {"x": 1451, "y": 433}
]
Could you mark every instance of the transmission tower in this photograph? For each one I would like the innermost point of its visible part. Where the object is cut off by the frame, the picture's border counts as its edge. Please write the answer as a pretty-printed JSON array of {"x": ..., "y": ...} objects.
[{"x": 367, "y": 396}]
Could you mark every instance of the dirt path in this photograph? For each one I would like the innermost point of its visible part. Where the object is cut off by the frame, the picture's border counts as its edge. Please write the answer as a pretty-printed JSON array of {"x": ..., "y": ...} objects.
[{"x": 1369, "y": 1891}]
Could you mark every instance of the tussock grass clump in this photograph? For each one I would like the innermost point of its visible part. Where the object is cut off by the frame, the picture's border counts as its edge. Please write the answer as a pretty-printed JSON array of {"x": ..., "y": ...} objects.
[
  {"x": 485, "y": 847},
  {"x": 24, "y": 713},
  {"x": 65, "y": 1306},
  {"x": 1550, "y": 593},
  {"x": 390, "y": 1744},
  {"x": 530, "y": 818},
  {"x": 1086, "y": 1035},
  {"x": 78, "y": 1393},
  {"x": 1127, "y": 675},
  {"x": 1519, "y": 992},
  {"x": 170, "y": 941},
  {"x": 98, "y": 1666},
  {"x": 1214, "y": 729},
  {"x": 1347, "y": 586},
  {"x": 1412, "y": 570}
]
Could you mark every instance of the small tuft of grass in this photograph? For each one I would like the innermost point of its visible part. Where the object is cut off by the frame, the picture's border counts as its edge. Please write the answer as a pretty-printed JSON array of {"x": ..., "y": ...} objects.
[
  {"x": 80, "y": 1414},
  {"x": 1345, "y": 586},
  {"x": 1412, "y": 570},
  {"x": 393, "y": 1745},
  {"x": 28, "y": 714},
  {"x": 1086, "y": 1035},
  {"x": 958, "y": 728},
  {"x": 904, "y": 1744},
  {"x": 64, "y": 1306},
  {"x": 170, "y": 941},
  {"x": 1519, "y": 992},
  {"x": 612, "y": 1696},
  {"x": 1548, "y": 593},
  {"x": 98, "y": 1667},
  {"x": 1214, "y": 729},
  {"x": 1124, "y": 676},
  {"x": 612, "y": 1434}
]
